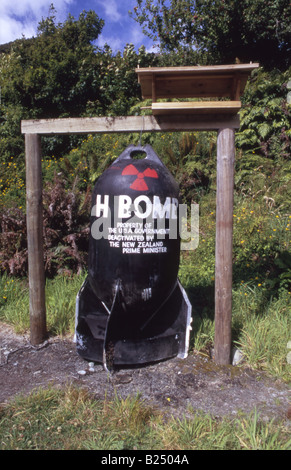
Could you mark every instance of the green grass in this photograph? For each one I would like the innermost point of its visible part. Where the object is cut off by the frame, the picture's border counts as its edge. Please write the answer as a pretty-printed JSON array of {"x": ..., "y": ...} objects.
[
  {"x": 71, "y": 419},
  {"x": 60, "y": 303},
  {"x": 14, "y": 303},
  {"x": 263, "y": 332}
]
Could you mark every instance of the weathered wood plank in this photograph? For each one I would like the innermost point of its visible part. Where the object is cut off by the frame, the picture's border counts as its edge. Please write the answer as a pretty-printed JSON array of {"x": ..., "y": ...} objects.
[
  {"x": 189, "y": 69},
  {"x": 35, "y": 239},
  {"x": 129, "y": 124},
  {"x": 196, "y": 107},
  {"x": 194, "y": 82},
  {"x": 167, "y": 87},
  {"x": 223, "y": 249}
]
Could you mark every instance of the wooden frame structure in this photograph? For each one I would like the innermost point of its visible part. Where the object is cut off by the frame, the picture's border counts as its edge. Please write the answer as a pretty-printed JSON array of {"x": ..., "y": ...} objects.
[{"x": 156, "y": 83}]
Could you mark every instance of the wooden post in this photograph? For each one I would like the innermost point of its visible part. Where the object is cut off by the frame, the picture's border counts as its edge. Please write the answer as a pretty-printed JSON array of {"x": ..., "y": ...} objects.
[
  {"x": 223, "y": 256},
  {"x": 34, "y": 219},
  {"x": 154, "y": 95}
]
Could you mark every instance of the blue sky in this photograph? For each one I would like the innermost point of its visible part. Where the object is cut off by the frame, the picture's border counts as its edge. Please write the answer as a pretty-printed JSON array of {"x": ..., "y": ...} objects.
[{"x": 21, "y": 17}]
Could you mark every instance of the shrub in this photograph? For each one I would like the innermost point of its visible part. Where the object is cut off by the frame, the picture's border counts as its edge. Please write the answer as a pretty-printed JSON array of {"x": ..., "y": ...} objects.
[
  {"x": 66, "y": 227},
  {"x": 65, "y": 231},
  {"x": 13, "y": 244}
]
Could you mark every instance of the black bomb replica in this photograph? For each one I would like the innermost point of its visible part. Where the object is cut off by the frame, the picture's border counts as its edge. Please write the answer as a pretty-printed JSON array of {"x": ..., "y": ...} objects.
[{"x": 132, "y": 308}]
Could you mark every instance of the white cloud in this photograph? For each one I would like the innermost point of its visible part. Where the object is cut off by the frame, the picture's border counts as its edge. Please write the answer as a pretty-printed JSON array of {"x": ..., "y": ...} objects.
[
  {"x": 116, "y": 44},
  {"x": 11, "y": 29},
  {"x": 111, "y": 9},
  {"x": 35, "y": 8},
  {"x": 136, "y": 35},
  {"x": 21, "y": 17}
]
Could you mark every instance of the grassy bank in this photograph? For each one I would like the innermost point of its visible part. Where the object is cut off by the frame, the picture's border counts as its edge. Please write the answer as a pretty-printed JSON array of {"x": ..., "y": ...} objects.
[{"x": 72, "y": 420}]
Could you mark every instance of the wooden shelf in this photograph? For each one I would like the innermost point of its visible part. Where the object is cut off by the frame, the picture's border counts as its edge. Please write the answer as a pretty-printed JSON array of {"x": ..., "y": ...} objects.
[
  {"x": 194, "y": 82},
  {"x": 196, "y": 107}
]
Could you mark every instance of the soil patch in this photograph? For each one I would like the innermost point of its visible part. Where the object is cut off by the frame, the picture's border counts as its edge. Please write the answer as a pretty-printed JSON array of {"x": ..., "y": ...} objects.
[{"x": 177, "y": 387}]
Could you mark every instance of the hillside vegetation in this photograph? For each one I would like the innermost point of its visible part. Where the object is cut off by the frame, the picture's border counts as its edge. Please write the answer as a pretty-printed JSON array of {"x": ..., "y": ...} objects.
[{"x": 60, "y": 73}]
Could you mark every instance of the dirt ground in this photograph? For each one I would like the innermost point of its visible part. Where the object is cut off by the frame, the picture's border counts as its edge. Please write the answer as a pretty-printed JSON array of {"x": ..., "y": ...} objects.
[{"x": 177, "y": 387}]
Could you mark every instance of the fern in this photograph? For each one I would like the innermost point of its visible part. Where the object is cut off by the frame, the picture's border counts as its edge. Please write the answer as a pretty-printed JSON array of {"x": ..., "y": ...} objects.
[
  {"x": 265, "y": 116},
  {"x": 263, "y": 130}
]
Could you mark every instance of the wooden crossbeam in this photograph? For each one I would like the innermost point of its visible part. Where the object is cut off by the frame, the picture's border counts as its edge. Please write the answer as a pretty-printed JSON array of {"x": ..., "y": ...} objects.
[{"x": 128, "y": 124}]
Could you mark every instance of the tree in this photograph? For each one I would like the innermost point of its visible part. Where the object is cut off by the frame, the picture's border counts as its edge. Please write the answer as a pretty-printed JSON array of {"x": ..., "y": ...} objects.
[
  {"x": 222, "y": 30},
  {"x": 47, "y": 69},
  {"x": 47, "y": 76},
  {"x": 60, "y": 73}
]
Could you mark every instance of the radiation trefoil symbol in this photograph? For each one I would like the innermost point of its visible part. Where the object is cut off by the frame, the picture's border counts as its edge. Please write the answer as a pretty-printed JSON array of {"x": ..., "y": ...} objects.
[{"x": 139, "y": 183}]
